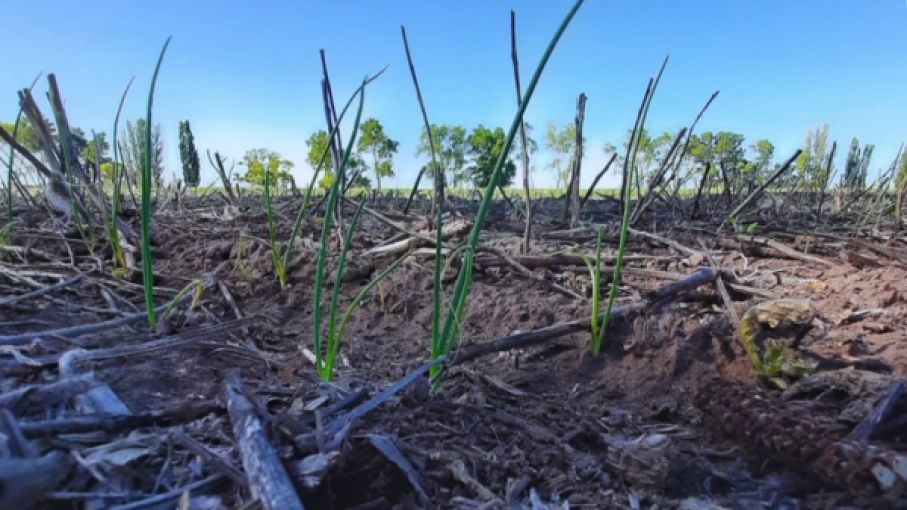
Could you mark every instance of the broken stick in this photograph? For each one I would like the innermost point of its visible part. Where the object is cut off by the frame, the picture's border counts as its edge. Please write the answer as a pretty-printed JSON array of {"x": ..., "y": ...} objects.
[
  {"x": 454, "y": 229},
  {"x": 268, "y": 480}
]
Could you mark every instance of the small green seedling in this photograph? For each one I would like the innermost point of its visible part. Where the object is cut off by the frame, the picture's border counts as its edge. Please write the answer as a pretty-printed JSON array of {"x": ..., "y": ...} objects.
[
  {"x": 595, "y": 272},
  {"x": 776, "y": 365},
  {"x": 629, "y": 167},
  {"x": 5, "y": 232}
]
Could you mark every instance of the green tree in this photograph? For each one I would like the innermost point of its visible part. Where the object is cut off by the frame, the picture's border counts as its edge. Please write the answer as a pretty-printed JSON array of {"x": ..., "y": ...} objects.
[
  {"x": 531, "y": 143},
  {"x": 107, "y": 170},
  {"x": 901, "y": 175},
  {"x": 133, "y": 150},
  {"x": 484, "y": 147},
  {"x": 26, "y": 135},
  {"x": 729, "y": 154},
  {"x": 355, "y": 170},
  {"x": 79, "y": 140},
  {"x": 258, "y": 161},
  {"x": 700, "y": 152},
  {"x": 764, "y": 152},
  {"x": 562, "y": 144},
  {"x": 811, "y": 164},
  {"x": 317, "y": 144},
  {"x": 450, "y": 149},
  {"x": 103, "y": 149},
  {"x": 650, "y": 151},
  {"x": 374, "y": 141},
  {"x": 722, "y": 147},
  {"x": 725, "y": 150},
  {"x": 856, "y": 165},
  {"x": 756, "y": 170},
  {"x": 701, "y": 147},
  {"x": 188, "y": 155},
  {"x": 729, "y": 148}
]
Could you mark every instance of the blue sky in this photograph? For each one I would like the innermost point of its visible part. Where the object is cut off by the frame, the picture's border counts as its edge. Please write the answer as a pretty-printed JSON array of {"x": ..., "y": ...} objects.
[{"x": 246, "y": 74}]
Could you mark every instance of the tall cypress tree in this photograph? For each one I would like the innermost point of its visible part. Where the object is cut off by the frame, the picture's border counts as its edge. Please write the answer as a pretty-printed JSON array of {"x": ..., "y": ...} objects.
[
  {"x": 188, "y": 154},
  {"x": 856, "y": 166}
]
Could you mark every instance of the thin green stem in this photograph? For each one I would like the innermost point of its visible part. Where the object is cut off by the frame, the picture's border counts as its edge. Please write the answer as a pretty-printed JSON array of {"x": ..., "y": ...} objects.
[
  {"x": 113, "y": 230},
  {"x": 333, "y": 337},
  {"x": 629, "y": 165},
  {"x": 300, "y": 215},
  {"x": 439, "y": 211},
  {"x": 596, "y": 295},
  {"x": 147, "y": 267},
  {"x": 595, "y": 273},
  {"x": 464, "y": 280},
  {"x": 97, "y": 165},
  {"x": 325, "y": 237},
  {"x": 279, "y": 268}
]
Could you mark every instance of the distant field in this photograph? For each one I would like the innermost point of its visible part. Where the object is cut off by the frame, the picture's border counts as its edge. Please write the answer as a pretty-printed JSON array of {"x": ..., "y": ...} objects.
[{"x": 456, "y": 192}]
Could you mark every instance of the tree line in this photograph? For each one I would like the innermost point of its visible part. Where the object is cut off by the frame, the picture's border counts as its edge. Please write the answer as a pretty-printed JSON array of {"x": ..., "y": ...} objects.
[
  {"x": 95, "y": 149},
  {"x": 722, "y": 159}
]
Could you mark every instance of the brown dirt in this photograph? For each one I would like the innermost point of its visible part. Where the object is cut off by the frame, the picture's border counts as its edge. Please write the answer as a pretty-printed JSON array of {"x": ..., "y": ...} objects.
[{"x": 600, "y": 432}]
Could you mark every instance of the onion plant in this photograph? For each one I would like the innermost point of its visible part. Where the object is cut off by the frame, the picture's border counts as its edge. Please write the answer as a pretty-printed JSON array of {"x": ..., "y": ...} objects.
[
  {"x": 595, "y": 272},
  {"x": 147, "y": 268},
  {"x": 439, "y": 209},
  {"x": 279, "y": 267},
  {"x": 282, "y": 262},
  {"x": 325, "y": 371},
  {"x": 444, "y": 341},
  {"x": 629, "y": 166},
  {"x": 336, "y": 329},
  {"x": 326, "y": 351},
  {"x": 113, "y": 233},
  {"x": 196, "y": 287},
  {"x": 320, "y": 363}
]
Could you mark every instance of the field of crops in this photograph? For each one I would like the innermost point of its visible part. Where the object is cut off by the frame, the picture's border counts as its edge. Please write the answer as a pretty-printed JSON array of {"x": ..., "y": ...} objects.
[{"x": 695, "y": 343}]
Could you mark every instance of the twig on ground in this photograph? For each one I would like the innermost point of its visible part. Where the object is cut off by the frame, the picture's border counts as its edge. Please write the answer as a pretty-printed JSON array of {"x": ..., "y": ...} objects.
[
  {"x": 210, "y": 457},
  {"x": 158, "y": 500},
  {"x": 40, "y": 292},
  {"x": 268, "y": 480},
  {"x": 722, "y": 289},
  {"x": 113, "y": 423},
  {"x": 664, "y": 240},
  {"x": 523, "y": 270},
  {"x": 785, "y": 250}
]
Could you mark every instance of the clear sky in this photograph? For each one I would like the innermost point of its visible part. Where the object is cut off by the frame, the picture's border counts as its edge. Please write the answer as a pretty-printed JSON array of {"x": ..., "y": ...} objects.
[{"x": 246, "y": 74}]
